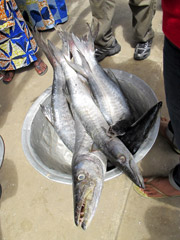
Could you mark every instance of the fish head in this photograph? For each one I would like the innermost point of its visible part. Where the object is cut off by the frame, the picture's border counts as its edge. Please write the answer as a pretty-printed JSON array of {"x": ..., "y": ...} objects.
[
  {"x": 88, "y": 178},
  {"x": 125, "y": 161}
]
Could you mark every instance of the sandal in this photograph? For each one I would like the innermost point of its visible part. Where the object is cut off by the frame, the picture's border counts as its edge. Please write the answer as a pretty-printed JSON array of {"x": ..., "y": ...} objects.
[
  {"x": 141, "y": 192},
  {"x": 39, "y": 66},
  {"x": 168, "y": 134},
  {"x": 8, "y": 76}
]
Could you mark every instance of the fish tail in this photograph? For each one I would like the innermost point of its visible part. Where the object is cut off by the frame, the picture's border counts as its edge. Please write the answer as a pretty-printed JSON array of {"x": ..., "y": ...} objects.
[
  {"x": 44, "y": 47},
  {"x": 90, "y": 38},
  {"x": 85, "y": 45},
  {"x": 47, "y": 113},
  {"x": 56, "y": 52},
  {"x": 65, "y": 42}
]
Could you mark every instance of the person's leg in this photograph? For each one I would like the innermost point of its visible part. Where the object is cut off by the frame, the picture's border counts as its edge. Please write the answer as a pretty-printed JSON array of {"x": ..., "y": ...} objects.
[
  {"x": 172, "y": 85},
  {"x": 102, "y": 15},
  {"x": 142, "y": 14},
  {"x": 174, "y": 177},
  {"x": 169, "y": 186}
]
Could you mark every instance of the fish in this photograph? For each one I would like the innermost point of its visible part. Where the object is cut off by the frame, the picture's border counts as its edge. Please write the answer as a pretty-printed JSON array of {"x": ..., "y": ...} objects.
[
  {"x": 108, "y": 95},
  {"x": 94, "y": 122},
  {"x": 58, "y": 114},
  {"x": 88, "y": 173}
]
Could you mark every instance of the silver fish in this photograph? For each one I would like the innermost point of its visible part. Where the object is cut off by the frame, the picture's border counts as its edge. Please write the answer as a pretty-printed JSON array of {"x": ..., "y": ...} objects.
[
  {"x": 88, "y": 172},
  {"x": 94, "y": 122},
  {"x": 109, "y": 97},
  {"x": 59, "y": 114}
]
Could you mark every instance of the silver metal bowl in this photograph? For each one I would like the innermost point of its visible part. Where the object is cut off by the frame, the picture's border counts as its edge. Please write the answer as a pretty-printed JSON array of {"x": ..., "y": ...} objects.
[
  {"x": 42, "y": 147},
  {"x": 2, "y": 150}
]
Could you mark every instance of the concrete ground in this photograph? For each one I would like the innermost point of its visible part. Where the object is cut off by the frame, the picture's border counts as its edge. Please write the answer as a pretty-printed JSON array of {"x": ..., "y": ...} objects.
[{"x": 33, "y": 207}]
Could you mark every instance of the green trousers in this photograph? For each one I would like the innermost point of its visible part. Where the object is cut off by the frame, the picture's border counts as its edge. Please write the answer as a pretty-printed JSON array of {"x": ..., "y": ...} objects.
[{"x": 103, "y": 13}]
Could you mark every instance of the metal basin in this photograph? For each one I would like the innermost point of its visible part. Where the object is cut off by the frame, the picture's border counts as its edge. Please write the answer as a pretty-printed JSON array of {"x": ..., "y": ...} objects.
[
  {"x": 2, "y": 150},
  {"x": 42, "y": 147}
]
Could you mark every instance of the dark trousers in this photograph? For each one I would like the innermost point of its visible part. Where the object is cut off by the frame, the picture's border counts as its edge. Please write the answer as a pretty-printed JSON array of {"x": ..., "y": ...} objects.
[
  {"x": 171, "y": 58},
  {"x": 172, "y": 85},
  {"x": 176, "y": 174}
]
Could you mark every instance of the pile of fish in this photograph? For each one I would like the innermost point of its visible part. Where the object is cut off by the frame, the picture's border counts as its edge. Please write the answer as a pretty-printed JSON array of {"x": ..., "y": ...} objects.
[{"x": 93, "y": 118}]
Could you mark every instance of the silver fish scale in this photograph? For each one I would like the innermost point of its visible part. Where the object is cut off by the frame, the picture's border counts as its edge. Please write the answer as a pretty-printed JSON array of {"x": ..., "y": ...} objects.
[
  {"x": 108, "y": 95},
  {"x": 62, "y": 118}
]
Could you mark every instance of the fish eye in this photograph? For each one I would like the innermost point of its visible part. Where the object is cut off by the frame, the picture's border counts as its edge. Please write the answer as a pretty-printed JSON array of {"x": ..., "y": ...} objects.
[
  {"x": 122, "y": 158},
  {"x": 81, "y": 177}
]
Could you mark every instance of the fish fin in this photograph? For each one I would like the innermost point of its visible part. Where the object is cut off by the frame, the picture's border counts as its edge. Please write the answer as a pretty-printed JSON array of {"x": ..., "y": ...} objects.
[
  {"x": 119, "y": 128},
  {"x": 93, "y": 31},
  {"x": 94, "y": 148},
  {"x": 82, "y": 70},
  {"x": 138, "y": 131},
  {"x": 85, "y": 47},
  {"x": 78, "y": 68},
  {"x": 90, "y": 38},
  {"x": 57, "y": 53},
  {"x": 47, "y": 113},
  {"x": 65, "y": 37},
  {"x": 104, "y": 129},
  {"x": 66, "y": 94},
  {"x": 111, "y": 75}
]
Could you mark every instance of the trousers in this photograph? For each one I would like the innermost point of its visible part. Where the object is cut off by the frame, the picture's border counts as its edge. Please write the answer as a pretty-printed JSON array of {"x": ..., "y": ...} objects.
[
  {"x": 171, "y": 72},
  {"x": 103, "y": 13}
]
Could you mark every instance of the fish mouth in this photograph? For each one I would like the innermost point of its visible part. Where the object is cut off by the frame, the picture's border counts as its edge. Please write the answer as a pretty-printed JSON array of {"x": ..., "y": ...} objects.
[
  {"x": 132, "y": 171},
  {"x": 83, "y": 215}
]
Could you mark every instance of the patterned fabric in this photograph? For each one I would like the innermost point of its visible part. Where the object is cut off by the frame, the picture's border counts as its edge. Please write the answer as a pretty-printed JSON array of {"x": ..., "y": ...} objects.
[
  {"x": 17, "y": 45},
  {"x": 44, "y": 14},
  {"x": 6, "y": 18}
]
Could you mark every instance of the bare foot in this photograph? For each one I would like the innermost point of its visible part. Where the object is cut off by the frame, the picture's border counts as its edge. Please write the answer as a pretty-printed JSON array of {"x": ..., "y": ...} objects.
[
  {"x": 158, "y": 187},
  {"x": 8, "y": 76},
  {"x": 40, "y": 67}
]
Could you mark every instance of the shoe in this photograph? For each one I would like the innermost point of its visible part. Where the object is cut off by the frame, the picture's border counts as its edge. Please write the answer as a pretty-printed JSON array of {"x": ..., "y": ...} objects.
[
  {"x": 142, "y": 50},
  {"x": 102, "y": 52}
]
